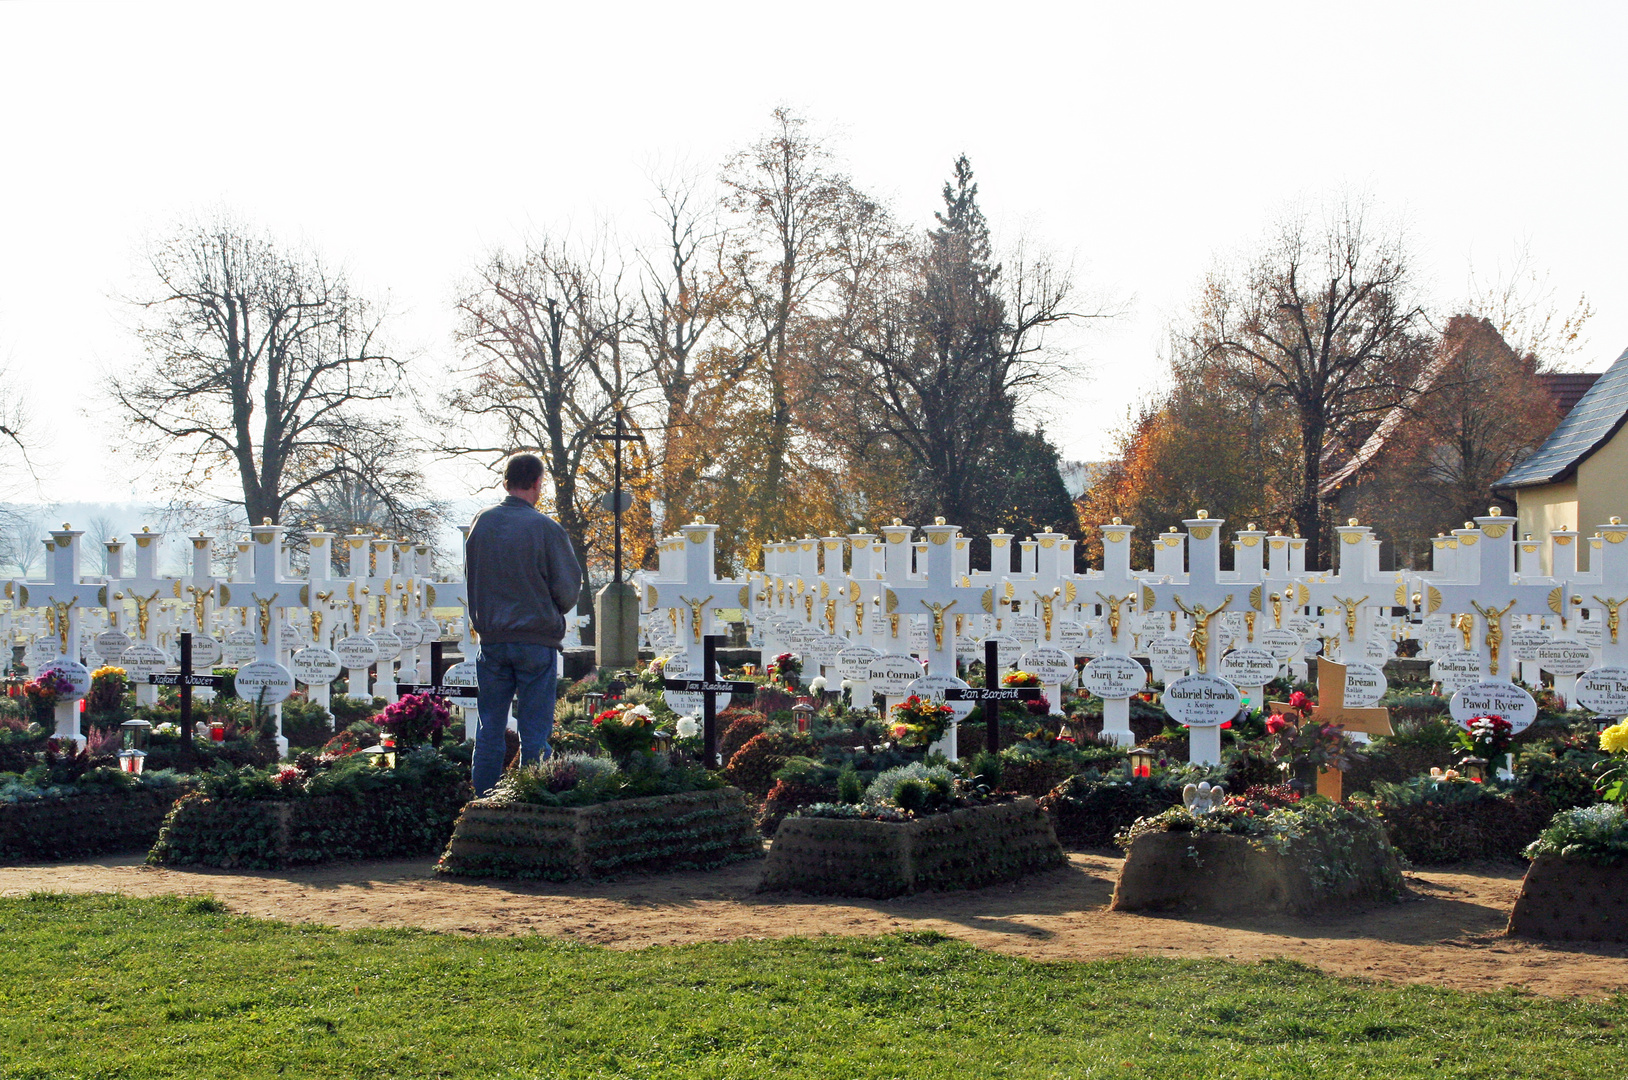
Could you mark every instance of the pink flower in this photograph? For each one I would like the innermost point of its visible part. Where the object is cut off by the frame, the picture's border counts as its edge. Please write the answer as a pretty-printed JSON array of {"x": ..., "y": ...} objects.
[{"x": 1275, "y": 724}]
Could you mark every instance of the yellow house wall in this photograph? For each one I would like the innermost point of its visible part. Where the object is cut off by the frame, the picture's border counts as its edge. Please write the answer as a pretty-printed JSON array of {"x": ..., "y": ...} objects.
[
  {"x": 1541, "y": 509},
  {"x": 1602, "y": 484},
  {"x": 1597, "y": 492}
]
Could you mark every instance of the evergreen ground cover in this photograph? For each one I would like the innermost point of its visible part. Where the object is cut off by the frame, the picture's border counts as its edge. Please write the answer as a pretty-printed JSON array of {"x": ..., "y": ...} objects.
[{"x": 114, "y": 986}]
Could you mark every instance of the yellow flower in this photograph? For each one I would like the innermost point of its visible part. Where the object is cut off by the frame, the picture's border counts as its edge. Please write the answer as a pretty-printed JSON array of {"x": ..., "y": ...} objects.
[
  {"x": 1614, "y": 739},
  {"x": 104, "y": 672}
]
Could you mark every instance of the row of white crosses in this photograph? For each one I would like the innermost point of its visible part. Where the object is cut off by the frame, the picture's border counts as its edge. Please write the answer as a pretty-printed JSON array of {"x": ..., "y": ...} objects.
[
  {"x": 378, "y": 615},
  {"x": 893, "y": 618}
]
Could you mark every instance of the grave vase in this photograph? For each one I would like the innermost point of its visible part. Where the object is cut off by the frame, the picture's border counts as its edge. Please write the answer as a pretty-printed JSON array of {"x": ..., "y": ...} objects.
[{"x": 1303, "y": 776}]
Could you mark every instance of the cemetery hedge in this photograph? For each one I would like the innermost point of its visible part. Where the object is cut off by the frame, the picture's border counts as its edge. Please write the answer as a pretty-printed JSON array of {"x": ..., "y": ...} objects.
[
  {"x": 268, "y": 820},
  {"x": 965, "y": 848},
  {"x": 104, "y": 812},
  {"x": 694, "y": 830}
]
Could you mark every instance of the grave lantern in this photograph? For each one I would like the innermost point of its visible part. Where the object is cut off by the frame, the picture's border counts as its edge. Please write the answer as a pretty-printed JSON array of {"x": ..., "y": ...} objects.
[
  {"x": 1141, "y": 760},
  {"x": 594, "y": 698},
  {"x": 803, "y": 711},
  {"x": 383, "y": 753},
  {"x": 1473, "y": 768},
  {"x": 134, "y": 754}
]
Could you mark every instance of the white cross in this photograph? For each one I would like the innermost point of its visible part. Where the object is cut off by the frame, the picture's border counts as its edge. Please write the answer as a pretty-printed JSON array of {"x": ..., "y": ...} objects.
[{"x": 64, "y": 596}]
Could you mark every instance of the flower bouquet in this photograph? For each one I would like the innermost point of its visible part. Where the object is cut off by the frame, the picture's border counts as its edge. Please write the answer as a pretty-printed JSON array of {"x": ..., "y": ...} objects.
[
  {"x": 919, "y": 722},
  {"x": 107, "y": 686},
  {"x": 1613, "y": 782},
  {"x": 44, "y": 692},
  {"x": 1489, "y": 737},
  {"x": 1040, "y": 706},
  {"x": 415, "y": 719},
  {"x": 784, "y": 670},
  {"x": 626, "y": 730},
  {"x": 1306, "y": 745}
]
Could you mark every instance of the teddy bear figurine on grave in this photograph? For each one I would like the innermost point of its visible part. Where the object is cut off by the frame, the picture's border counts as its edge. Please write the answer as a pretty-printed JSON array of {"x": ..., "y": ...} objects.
[{"x": 1202, "y": 798}]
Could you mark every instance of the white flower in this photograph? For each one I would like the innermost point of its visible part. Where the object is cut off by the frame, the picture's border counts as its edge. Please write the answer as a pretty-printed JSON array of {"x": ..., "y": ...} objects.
[
  {"x": 687, "y": 727},
  {"x": 641, "y": 711},
  {"x": 847, "y": 684},
  {"x": 817, "y": 686}
]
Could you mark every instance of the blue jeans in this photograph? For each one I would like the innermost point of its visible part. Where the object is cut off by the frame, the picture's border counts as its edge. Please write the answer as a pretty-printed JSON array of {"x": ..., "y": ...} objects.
[{"x": 507, "y": 671}]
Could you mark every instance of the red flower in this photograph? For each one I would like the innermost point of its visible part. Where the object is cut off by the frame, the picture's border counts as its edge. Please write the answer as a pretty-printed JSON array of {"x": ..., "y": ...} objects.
[
  {"x": 1299, "y": 702},
  {"x": 1275, "y": 724}
]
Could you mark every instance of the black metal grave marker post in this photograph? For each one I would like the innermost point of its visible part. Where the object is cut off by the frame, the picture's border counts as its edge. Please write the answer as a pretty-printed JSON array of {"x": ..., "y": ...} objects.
[
  {"x": 991, "y": 694},
  {"x": 709, "y": 686}
]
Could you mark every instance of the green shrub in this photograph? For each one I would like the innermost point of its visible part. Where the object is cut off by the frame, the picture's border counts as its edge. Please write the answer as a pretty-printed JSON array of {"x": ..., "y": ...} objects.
[
  {"x": 1596, "y": 834},
  {"x": 1089, "y": 811},
  {"x": 753, "y": 766},
  {"x": 305, "y": 723},
  {"x": 850, "y": 788},
  {"x": 1435, "y": 822},
  {"x": 738, "y": 726}
]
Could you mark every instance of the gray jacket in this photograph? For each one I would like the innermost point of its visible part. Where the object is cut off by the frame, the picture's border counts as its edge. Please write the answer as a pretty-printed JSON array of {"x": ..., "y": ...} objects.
[{"x": 522, "y": 575}]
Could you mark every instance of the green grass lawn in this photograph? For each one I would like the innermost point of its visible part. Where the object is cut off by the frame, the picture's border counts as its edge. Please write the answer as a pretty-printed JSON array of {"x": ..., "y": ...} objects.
[{"x": 104, "y": 986}]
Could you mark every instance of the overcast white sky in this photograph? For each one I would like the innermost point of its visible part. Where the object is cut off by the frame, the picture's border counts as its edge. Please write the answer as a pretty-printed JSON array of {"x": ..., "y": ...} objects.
[{"x": 1145, "y": 141}]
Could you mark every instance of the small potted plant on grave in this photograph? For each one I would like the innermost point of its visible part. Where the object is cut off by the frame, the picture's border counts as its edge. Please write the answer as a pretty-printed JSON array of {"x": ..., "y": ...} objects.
[
  {"x": 919, "y": 722},
  {"x": 784, "y": 671},
  {"x": 627, "y": 732},
  {"x": 44, "y": 692},
  {"x": 1305, "y": 746},
  {"x": 415, "y": 719},
  {"x": 1489, "y": 738},
  {"x": 1040, "y": 706}
]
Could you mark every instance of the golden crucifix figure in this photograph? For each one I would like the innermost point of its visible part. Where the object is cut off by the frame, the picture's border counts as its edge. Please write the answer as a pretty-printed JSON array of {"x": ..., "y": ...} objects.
[
  {"x": 1200, "y": 637},
  {"x": 356, "y": 616},
  {"x": 200, "y": 597},
  {"x": 1495, "y": 629},
  {"x": 265, "y": 616},
  {"x": 62, "y": 622},
  {"x": 1351, "y": 608},
  {"x": 1047, "y": 602},
  {"x": 142, "y": 605},
  {"x": 831, "y": 615},
  {"x": 50, "y": 622},
  {"x": 1277, "y": 609},
  {"x": 1249, "y": 626},
  {"x": 938, "y": 611},
  {"x": 1613, "y": 617},
  {"x": 1465, "y": 624},
  {"x": 696, "y": 607},
  {"x": 1113, "y": 604},
  {"x": 859, "y": 618}
]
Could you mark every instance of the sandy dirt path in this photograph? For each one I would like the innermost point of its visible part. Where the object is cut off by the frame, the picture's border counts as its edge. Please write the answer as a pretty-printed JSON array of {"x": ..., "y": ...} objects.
[{"x": 1448, "y": 933}]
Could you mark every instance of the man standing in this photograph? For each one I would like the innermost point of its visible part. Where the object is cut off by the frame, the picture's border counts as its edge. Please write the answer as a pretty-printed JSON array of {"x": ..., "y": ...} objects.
[{"x": 522, "y": 576}]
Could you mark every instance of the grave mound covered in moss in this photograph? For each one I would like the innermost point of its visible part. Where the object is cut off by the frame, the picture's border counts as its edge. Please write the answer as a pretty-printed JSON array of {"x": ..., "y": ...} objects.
[
  {"x": 966, "y": 848},
  {"x": 691, "y": 830},
  {"x": 1286, "y": 861},
  {"x": 1577, "y": 886}
]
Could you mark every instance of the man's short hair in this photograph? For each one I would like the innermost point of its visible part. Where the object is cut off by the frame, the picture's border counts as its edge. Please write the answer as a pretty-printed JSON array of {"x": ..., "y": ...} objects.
[{"x": 522, "y": 472}]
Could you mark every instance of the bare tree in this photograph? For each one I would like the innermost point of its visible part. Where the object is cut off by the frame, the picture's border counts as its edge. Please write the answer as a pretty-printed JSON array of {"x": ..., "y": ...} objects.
[
  {"x": 1323, "y": 324},
  {"x": 262, "y": 365},
  {"x": 24, "y": 538},
  {"x": 1521, "y": 304},
  {"x": 379, "y": 488},
  {"x": 545, "y": 334},
  {"x": 98, "y": 531},
  {"x": 682, "y": 292}
]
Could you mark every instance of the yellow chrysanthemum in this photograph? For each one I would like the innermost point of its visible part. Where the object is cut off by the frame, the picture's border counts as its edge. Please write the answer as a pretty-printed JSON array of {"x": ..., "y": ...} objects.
[{"x": 1614, "y": 739}]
